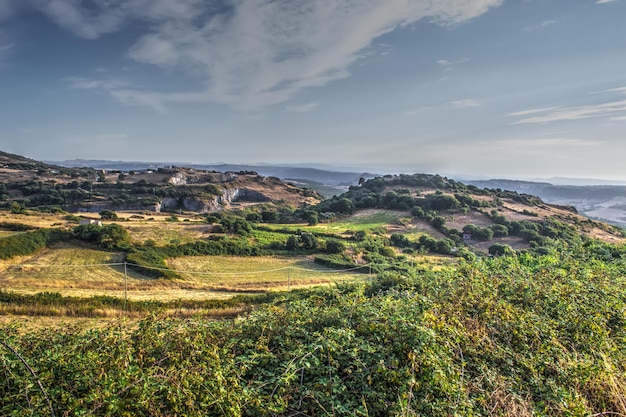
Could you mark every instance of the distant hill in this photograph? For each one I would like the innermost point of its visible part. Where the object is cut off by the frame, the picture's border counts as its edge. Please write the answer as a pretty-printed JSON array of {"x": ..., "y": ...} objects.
[
  {"x": 603, "y": 202},
  {"x": 34, "y": 184},
  {"x": 324, "y": 177}
]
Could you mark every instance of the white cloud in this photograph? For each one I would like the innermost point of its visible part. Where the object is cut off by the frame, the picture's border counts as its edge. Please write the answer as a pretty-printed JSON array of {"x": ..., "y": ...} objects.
[
  {"x": 91, "y": 84},
  {"x": 465, "y": 103},
  {"x": 549, "y": 115},
  {"x": 533, "y": 111},
  {"x": 604, "y": 1},
  {"x": 250, "y": 53},
  {"x": 303, "y": 108},
  {"x": 449, "y": 65},
  {"x": 541, "y": 25},
  {"x": 263, "y": 52}
]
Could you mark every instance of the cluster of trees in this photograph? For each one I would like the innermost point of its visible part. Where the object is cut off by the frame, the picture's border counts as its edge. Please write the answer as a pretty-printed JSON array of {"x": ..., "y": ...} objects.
[{"x": 110, "y": 236}]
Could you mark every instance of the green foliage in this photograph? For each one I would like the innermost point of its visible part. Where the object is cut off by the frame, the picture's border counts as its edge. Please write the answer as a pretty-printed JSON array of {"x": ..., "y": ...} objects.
[
  {"x": 16, "y": 227},
  {"x": 111, "y": 236},
  {"x": 108, "y": 215},
  {"x": 498, "y": 249},
  {"x": 149, "y": 261},
  {"x": 236, "y": 225},
  {"x": 438, "y": 222},
  {"x": 312, "y": 218},
  {"x": 303, "y": 241},
  {"x": 17, "y": 208},
  {"x": 29, "y": 242},
  {"x": 515, "y": 335},
  {"x": 479, "y": 233},
  {"x": 335, "y": 246}
]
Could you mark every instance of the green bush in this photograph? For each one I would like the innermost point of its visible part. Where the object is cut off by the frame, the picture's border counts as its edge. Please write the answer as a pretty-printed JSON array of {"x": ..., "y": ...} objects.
[{"x": 30, "y": 242}]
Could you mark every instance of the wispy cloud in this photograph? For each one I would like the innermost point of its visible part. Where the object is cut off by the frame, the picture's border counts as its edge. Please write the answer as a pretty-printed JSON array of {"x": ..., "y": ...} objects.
[
  {"x": 465, "y": 103},
  {"x": 616, "y": 90},
  {"x": 303, "y": 108},
  {"x": 533, "y": 111},
  {"x": 613, "y": 110},
  {"x": 541, "y": 25},
  {"x": 574, "y": 113},
  {"x": 91, "y": 84},
  {"x": 252, "y": 53},
  {"x": 604, "y": 1},
  {"x": 449, "y": 65}
]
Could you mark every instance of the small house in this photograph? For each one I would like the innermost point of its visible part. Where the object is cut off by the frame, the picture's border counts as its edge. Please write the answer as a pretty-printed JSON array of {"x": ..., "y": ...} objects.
[{"x": 90, "y": 221}]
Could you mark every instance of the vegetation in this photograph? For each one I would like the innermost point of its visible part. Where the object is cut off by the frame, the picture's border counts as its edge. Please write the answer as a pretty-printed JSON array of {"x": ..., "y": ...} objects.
[
  {"x": 521, "y": 315},
  {"x": 491, "y": 337}
]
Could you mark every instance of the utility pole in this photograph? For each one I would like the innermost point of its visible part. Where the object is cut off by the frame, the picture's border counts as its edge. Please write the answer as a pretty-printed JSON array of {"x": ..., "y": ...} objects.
[{"x": 125, "y": 286}]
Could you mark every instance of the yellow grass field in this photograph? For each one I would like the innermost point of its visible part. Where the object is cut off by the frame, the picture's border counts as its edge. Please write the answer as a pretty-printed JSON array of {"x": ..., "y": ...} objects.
[
  {"x": 85, "y": 272},
  {"x": 231, "y": 273}
]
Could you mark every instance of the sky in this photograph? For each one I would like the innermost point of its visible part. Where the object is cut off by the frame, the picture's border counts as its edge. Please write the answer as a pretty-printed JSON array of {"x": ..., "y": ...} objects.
[{"x": 473, "y": 88}]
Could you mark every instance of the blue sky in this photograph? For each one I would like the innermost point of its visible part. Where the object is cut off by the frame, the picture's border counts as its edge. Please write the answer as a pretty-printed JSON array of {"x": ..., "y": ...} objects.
[{"x": 478, "y": 88}]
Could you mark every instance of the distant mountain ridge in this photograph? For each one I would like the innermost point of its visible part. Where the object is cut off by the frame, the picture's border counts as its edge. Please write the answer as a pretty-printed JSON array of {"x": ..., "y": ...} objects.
[{"x": 325, "y": 177}]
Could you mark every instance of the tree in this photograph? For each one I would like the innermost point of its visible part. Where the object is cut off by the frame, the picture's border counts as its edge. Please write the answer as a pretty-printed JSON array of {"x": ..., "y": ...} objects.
[
  {"x": 292, "y": 243},
  {"x": 17, "y": 208},
  {"x": 498, "y": 249},
  {"x": 335, "y": 246},
  {"x": 313, "y": 218},
  {"x": 308, "y": 241},
  {"x": 400, "y": 241},
  {"x": 439, "y": 222},
  {"x": 344, "y": 205},
  {"x": 113, "y": 236},
  {"x": 108, "y": 215}
]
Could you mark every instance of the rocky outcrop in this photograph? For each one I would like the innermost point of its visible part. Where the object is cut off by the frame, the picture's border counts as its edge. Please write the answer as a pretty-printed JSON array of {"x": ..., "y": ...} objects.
[
  {"x": 217, "y": 203},
  {"x": 242, "y": 194}
]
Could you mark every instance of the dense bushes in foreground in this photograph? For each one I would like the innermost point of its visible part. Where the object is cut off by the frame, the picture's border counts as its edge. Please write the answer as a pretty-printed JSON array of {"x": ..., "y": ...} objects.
[{"x": 519, "y": 335}]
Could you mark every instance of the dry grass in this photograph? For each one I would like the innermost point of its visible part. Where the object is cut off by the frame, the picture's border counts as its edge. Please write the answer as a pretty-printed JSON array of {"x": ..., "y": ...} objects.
[
  {"x": 164, "y": 233},
  {"x": 231, "y": 273}
]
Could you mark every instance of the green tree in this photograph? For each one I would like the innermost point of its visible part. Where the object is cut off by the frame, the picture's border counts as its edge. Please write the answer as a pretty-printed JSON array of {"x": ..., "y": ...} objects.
[
  {"x": 439, "y": 222},
  {"x": 293, "y": 243},
  {"x": 498, "y": 249},
  {"x": 113, "y": 236},
  {"x": 308, "y": 241},
  {"x": 335, "y": 246},
  {"x": 108, "y": 215},
  {"x": 17, "y": 208}
]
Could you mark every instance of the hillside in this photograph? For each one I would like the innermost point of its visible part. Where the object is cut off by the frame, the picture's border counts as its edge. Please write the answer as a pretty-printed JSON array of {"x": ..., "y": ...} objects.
[
  {"x": 603, "y": 202},
  {"x": 407, "y": 295},
  {"x": 33, "y": 184},
  {"x": 445, "y": 208}
]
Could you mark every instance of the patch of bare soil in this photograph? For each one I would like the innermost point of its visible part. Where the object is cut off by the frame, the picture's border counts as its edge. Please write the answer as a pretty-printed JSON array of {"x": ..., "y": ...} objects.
[
  {"x": 458, "y": 220},
  {"x": 516, "y": 243}
]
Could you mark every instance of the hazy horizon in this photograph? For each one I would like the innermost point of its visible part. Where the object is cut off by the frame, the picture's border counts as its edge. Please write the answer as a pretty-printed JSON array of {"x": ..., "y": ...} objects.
[{"x": 481, "y": 88}]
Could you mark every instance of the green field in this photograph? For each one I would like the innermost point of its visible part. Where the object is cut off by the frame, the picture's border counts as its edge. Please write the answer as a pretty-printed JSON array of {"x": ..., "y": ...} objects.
[{"x": 366, "y": 220}]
